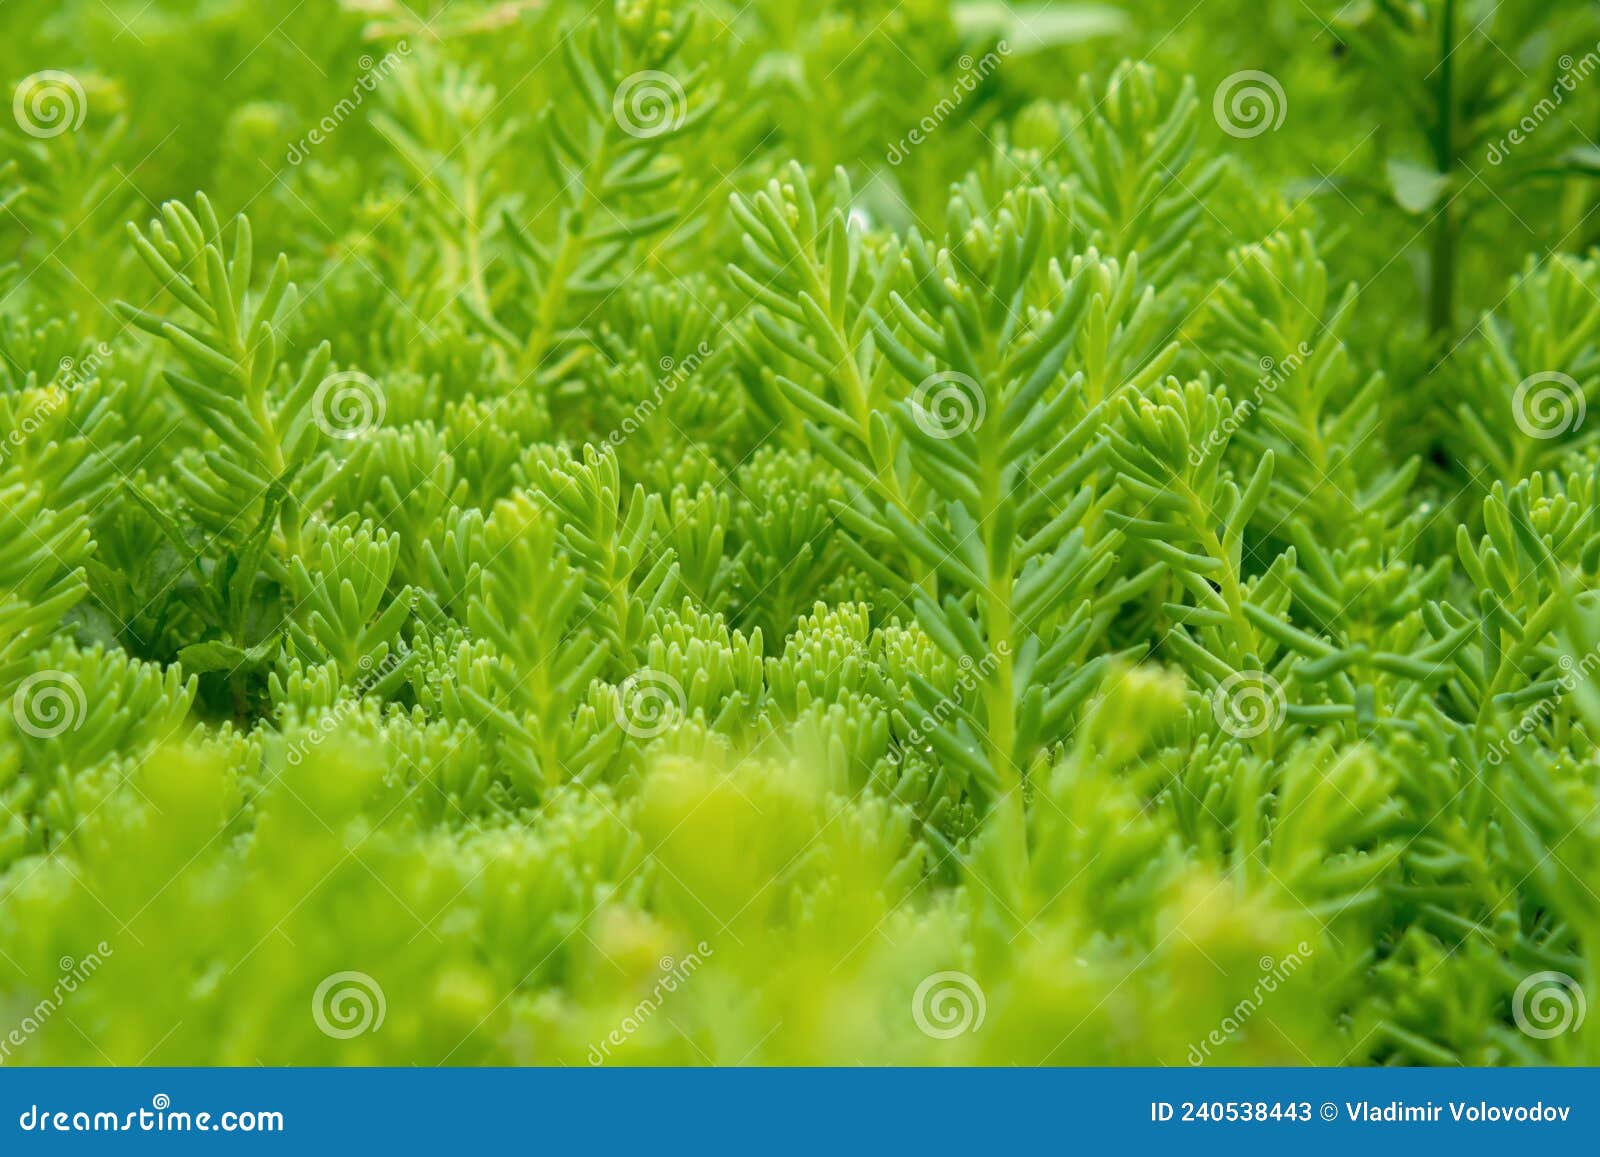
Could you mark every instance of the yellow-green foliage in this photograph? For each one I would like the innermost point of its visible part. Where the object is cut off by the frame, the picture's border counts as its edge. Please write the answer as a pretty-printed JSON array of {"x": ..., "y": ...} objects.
[{"x": 846, "y": 533}]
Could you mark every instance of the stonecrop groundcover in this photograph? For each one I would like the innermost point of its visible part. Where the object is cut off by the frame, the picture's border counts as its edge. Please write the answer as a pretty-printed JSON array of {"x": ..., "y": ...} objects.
[{"x": 856, "y": 532}]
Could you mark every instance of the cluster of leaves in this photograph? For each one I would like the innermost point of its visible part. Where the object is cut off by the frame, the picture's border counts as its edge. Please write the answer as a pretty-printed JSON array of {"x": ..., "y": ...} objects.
[{"x": 598, "y": 522}]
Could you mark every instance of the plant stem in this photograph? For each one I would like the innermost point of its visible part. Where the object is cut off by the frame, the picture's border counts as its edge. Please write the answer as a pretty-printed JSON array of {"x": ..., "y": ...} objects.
[
  {"x": 1442, "y": 290},
  {"x": 999, "y": 688},
  {"x": 553, "y": 300}
]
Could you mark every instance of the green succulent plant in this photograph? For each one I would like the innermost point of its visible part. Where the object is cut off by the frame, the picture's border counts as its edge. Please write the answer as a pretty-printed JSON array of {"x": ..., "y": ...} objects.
[{"x": 621, "y": 551}]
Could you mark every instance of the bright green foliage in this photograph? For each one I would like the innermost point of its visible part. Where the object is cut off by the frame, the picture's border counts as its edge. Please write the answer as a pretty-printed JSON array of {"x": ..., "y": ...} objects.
[{"x": 700, "y": 533}]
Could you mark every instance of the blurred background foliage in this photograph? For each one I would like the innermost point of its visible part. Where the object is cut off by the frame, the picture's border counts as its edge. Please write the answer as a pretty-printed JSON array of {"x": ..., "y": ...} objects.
[{"x": 211, "y": 94}]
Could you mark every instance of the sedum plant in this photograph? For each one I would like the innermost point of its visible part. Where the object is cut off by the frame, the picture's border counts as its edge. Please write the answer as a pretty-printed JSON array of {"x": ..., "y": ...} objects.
[{"x": 681, "y": 534}]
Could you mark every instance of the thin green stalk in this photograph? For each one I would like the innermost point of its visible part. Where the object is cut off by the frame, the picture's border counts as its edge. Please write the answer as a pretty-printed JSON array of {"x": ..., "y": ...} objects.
[{"x": 1442, "y": 288}]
